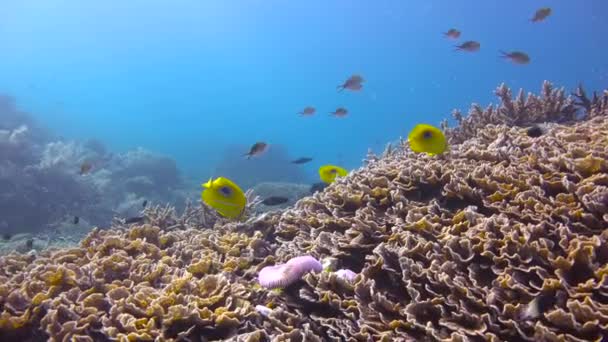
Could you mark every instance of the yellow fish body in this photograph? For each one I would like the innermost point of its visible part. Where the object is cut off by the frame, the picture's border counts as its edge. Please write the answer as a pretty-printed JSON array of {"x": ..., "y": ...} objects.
[
  {"x": 428, "y": 139},
  {"x": 328, "y": 173},
  {"x": 224, "y": 196}
]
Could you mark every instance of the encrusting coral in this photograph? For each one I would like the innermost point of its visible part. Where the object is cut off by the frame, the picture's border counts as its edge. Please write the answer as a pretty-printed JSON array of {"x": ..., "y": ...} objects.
[{"x": 503, "y": 238}]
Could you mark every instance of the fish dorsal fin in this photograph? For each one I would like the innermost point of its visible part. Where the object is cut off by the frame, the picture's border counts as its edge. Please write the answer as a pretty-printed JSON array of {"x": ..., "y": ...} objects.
[{"x": 208, "y": 184}]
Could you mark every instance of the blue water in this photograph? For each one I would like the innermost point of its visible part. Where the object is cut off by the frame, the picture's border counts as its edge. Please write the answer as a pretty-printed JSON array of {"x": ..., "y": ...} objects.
[{"x": 189, "y": 78}]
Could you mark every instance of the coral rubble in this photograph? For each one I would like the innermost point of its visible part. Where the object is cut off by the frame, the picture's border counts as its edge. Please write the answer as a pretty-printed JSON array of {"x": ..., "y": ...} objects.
[{"x": 503, "y": 238}]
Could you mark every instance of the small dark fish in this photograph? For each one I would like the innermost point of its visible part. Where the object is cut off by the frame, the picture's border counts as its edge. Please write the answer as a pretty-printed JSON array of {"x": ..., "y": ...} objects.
[
  {"x": 469, "y": 46},
  {"x": 535, "y": 131},
  {"x": 352, "y": 83},
  {"x": 145, "y": 203},
  {"x": 6, "y": 236},
  {"x": 85, "y": 168},
  {"x": 257, "y": 149},
  {"x": 135, "y": 219},
  {"x": 452, "y": 33},
  {"x": 516, "y": 57},
  {"x": 541, "y": 14},
  {"x": 308, "y": 111},
  {"x": 340, "y": 112},
  {"x": 29, "y": 244},
  {"x": 76, "y": 219},
  {"x": 301, "y": 160},
  {"x": 275, "y": 200},
  {"x": 317, "y": 187}
]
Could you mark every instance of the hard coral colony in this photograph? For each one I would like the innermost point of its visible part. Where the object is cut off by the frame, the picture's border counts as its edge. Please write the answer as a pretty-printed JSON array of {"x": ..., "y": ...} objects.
[{"x": 504, "y": 239}]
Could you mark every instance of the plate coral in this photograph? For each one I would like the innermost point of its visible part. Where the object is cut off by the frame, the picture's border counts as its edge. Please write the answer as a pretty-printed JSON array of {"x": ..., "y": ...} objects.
[{"x": 503, "y": 238}]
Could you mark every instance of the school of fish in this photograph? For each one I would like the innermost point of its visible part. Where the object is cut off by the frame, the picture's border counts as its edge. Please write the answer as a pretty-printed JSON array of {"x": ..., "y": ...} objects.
[{"x": 229, "y": 200}]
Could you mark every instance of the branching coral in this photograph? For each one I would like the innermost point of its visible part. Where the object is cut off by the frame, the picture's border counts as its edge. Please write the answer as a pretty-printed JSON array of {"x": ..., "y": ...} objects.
[
  {"x": 551, "y": 106},
  {"x": 503, "y": 238}
]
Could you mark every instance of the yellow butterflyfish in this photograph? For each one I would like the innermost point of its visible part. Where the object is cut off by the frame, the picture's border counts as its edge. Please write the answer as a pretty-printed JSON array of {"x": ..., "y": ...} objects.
[
  {"x": 328, "y": 173},
  {"x": 224, "y": 196},
  {"x": 428, "y": 139}
]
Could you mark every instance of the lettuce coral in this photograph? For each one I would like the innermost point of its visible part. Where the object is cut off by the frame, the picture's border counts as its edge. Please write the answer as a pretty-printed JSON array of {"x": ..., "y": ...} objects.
[{"x": 503, "y": 238}]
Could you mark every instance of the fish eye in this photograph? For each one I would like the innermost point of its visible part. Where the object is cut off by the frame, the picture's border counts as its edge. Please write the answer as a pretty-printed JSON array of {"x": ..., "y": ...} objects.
[
  {"x": 427, "y": 135},
  {"x": 333, "y": 171},
  {"x": 226, "y": 191}
]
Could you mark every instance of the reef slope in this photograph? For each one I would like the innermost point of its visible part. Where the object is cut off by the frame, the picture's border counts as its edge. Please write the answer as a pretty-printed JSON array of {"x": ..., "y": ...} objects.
[{"x": 501, "y": 239}]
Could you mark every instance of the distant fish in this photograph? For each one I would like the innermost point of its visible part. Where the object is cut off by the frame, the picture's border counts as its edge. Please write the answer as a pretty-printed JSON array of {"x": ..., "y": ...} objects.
[
  {"x": 275, "y": 200},
  {"x": 76, "y": 219},
  {"x": 257, "y": 149},
  {"x": 135, "y": 219},
  {"x": 452, "y": 33},
  {"x": 340, "y": 112},
  {"x": 85, "y": 168},
  {"x": 317, "y": 187},
  {"x": 6, "y": 236},
  {"x": 144, "y": 204},
  {"x": 301, "y": 160},
  {"x": 468, "y": 46},
  {"x": 308, "y": 111},
  {"x": 29, "y": 243},
  {"x": 516, "y": 57},
  {"x": 541, "y": 14},
  {"x": 352, "y": 83}
]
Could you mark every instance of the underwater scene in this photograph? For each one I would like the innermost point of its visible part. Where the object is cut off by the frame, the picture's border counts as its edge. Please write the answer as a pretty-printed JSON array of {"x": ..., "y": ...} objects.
[{"x": 322, "y": 170}]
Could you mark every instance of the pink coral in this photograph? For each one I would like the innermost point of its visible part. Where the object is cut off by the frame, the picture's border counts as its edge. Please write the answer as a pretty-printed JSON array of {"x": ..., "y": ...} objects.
[{"x": 286, "y": 274}]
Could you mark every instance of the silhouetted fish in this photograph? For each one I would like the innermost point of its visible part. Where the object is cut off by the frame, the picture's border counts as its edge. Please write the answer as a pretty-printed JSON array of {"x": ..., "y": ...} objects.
[
  {"x": 302, "y": 160},
  {"x": 340, "y": 112},
  {"x": 275, "y": 200},
  {"x": 76, "y": 219},
  {"x": 516, "y": 57},
  {"x": 541, "y": 14},
  {"x": 135, "y": 219},
  {"x": 352, "y": 83},
  {"x": 145, "y": 203},
  {"x": 308, "y": 111},
  {"x": 29, "y": 244},
  {"x": 317, "y": 187},
  {"x": 469, "y": 46},
  {"x": 452, "y": 33},
  {"x": 85, "y": 168},
  {"x": 6, "y": 236},
  {"x": 257, "y": 149}
]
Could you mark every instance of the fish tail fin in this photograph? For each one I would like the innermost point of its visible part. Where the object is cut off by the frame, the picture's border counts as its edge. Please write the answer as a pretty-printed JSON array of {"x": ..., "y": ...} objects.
[
  {"x": 503, "y": 54},
  {"x": 457, "y": 48},
  {"x": 340, "y": 88}
]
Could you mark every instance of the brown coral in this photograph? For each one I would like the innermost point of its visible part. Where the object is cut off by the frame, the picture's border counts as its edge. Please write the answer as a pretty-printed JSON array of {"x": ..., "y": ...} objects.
[{"x": 501, "y": 239}]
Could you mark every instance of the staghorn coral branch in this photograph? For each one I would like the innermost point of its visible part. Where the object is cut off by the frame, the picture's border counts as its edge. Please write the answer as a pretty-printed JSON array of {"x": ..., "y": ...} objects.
[{"x": 525, "y": 110}]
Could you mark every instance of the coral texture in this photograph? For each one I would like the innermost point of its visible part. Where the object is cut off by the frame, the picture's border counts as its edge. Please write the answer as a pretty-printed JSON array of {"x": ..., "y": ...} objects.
[
  {"x": 503, "y": 238},
  {"x": 41, "y": 186}
]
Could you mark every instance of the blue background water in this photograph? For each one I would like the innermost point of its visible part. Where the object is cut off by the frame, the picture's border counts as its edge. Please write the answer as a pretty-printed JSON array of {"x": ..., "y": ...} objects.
[{"x": 187, "y": 78}]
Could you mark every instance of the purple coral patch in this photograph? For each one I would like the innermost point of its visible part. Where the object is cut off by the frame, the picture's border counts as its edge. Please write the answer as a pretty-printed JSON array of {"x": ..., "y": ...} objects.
[
  {"x": 346, "y": 274},
  {"x": 286, "y": 274}
]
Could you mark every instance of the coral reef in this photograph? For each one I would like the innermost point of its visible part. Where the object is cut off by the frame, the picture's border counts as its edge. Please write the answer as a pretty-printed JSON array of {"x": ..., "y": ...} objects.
[
  {"x": 503, "y": 238},
  {"x": 41, "y": 186}
]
